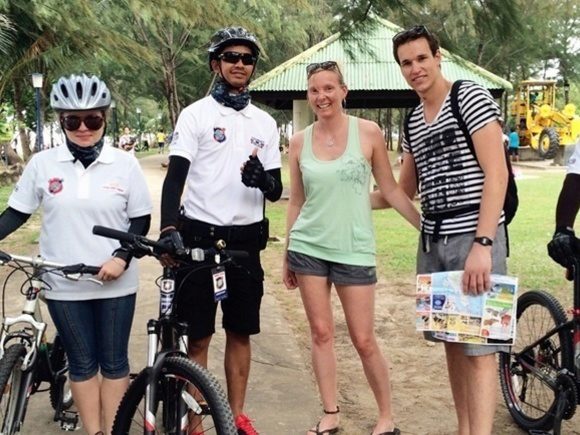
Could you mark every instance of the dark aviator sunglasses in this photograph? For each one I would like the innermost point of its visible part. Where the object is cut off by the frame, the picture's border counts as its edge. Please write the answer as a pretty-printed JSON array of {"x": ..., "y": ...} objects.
[
  {"x": 411, "y": 32},
  {"x": 234, "y": 57},
  {"x": 73, "y": 122}
]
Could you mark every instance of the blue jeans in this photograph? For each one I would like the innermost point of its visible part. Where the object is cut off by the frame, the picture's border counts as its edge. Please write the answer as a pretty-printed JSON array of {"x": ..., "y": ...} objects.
[{"x": 95, "y": 334}]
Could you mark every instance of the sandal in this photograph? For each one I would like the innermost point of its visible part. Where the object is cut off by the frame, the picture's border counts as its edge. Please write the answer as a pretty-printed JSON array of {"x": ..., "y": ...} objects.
[
  {"x": 331, "y": 431},
  {"x": 395, "y": 431}
]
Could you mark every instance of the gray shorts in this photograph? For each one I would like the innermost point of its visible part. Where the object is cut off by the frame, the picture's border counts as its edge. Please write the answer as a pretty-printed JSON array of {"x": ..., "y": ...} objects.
[
  {"x": 450, "y": 253},
  {"x": 337, "y": 273}
]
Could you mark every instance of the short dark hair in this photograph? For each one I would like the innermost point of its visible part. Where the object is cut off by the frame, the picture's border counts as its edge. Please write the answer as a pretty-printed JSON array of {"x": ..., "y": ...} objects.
[{"x": 412, "y": 34}]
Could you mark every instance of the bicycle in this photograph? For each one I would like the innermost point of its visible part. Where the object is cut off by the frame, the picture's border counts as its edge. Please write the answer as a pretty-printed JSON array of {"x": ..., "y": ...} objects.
[
  {"x": 189, "y": 394},
  {"x": 540, "y": 377},
  {"x": 27, "y": 359}
]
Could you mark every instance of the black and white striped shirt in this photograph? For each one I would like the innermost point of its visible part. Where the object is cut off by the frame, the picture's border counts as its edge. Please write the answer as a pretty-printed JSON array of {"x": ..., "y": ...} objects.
[{"x": 448, "y": 173}]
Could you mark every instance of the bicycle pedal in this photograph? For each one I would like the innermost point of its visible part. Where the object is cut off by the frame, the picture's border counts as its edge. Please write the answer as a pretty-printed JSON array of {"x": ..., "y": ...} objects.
[{"x": 69, "y": 421}]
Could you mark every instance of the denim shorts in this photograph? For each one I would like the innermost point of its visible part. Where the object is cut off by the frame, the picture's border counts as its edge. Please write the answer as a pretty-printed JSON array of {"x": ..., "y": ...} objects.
[
  {"x": 449, "y": 253},
  {"x": 95, "y": 334},
  {"x": 337, "y": 273}
]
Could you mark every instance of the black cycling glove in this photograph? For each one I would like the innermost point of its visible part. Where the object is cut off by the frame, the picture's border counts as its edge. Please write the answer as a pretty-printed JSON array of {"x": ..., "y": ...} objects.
[
  {"x": 171, "y": 243},
  {"x": 562, "y": 247},
  {"x": 255, "y": 176}
]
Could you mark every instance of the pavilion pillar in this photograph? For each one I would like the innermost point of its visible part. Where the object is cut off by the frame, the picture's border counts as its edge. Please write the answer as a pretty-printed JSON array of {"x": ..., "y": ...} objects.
[{"x": 302, "y": 116}]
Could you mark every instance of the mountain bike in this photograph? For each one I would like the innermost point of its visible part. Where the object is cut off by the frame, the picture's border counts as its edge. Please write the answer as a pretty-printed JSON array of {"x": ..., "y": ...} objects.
[
  {"x": 27, "y": 359},
  {"x": 172, "y": 394},
  {"x": 540, "y": 377}
]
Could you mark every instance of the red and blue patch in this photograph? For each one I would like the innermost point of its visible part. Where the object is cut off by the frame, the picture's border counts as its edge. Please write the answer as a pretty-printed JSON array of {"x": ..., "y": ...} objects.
[{"x": 55, "y": 185}]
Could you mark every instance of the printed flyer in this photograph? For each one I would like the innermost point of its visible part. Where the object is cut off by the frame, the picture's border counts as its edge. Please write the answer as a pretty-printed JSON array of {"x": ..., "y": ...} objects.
[{"x": 453, "y": 316}]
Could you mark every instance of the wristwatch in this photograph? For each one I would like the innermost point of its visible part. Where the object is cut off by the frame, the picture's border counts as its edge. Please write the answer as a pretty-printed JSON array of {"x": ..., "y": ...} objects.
[{"x": 485, "y": 241}]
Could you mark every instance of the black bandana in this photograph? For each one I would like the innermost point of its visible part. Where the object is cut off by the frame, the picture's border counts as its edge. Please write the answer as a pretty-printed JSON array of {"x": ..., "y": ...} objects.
[
  {"x": 86, "y": 155},
  {"x": 221, "y": 93}
]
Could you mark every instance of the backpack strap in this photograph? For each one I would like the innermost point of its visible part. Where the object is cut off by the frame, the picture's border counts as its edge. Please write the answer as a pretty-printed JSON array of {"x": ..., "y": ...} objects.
[
  {"x": 457, "y": 115},
  {"x": 409, "y": 142}
]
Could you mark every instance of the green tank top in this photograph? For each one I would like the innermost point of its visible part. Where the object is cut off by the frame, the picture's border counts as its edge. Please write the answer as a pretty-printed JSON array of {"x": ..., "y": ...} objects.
[{"x": 335, "y": 222}]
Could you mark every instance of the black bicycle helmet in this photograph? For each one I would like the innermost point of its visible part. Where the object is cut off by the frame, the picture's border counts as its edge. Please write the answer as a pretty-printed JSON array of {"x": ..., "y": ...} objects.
[
  {"x": 80, "y": 92},
  {"x": 232, "y": 36}
]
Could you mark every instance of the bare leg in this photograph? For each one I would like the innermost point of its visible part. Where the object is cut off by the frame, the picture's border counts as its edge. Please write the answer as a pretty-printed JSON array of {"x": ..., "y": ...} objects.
[
  {"x": 198, "y": 351},
  {"x": 112, "y": 391},
  {"x": 473, "y": 382},
  {"x": 358, "y": 303},
  {"x": 315, "y": 293},
  {"x": 237, "y": 367},
  {"x": 88, "y": 402}
]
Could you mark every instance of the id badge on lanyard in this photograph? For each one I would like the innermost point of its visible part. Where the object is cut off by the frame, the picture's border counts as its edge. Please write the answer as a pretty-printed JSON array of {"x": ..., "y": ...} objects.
[{"x": 220, "y": 287}]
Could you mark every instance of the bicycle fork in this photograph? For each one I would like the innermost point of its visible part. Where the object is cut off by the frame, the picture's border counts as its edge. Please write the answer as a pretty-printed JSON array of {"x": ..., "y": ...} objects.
[{"x": 173, "y": 339}]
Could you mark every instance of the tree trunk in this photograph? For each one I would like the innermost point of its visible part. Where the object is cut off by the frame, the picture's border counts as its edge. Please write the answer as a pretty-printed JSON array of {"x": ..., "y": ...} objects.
[
  {"x": 11, "y": 157},
  {"x": 403, "y": 115},
  {"x": 389, "y": 128},
  {"x": 18, "y": 107}
]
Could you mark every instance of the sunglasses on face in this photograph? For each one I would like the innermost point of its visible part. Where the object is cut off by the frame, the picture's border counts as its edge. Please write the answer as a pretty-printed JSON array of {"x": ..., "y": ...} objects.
[
  {"x": 412, "y": 33},
  {"x": 234, "y": 57},
  {"x": 328, "y": 65},
  {"x": 73, "y": 122}
]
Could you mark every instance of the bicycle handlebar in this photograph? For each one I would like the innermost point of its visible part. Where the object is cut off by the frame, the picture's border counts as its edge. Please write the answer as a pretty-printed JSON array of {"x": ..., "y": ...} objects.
[
  {"x": 70, "y": 271},
  {"x": 138, "y": 243}
]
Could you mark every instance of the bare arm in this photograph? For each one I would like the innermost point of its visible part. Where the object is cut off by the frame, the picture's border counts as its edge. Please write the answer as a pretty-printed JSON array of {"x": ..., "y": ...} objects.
[
  {"x": 488, "y": 146},
  {"x": 407, "y": 181},
  {"x": 391, "y": 192},
  {"x": 295, "y": 202}
]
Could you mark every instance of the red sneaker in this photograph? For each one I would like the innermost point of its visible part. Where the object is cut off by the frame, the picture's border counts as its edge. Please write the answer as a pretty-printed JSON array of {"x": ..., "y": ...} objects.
[{"x": 244, "y": 425}]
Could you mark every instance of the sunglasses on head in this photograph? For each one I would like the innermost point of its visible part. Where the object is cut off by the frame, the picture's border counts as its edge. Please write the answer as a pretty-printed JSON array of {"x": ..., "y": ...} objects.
[
  {"x": 73, "y": 122},
  {"x": 411, "y": 33},
  {"x": 317, "y": 66},
  {"x": 234, "y": 57}
]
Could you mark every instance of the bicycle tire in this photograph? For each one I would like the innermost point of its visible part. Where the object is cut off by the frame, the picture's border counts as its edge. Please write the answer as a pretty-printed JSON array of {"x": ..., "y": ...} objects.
[
  {"x": 10, "y": 382},
  {"x": 529, "y": 400},
  {"x": 216, "y": 415},
  {"x": 60, "y": 393}
]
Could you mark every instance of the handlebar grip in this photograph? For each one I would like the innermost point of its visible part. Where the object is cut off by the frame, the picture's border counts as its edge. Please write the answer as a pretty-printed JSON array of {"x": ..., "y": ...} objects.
[
  {"x": 114, "y": 234},
  {"x": 91, "y": 270},
  {"x": 81, "y": 268}
]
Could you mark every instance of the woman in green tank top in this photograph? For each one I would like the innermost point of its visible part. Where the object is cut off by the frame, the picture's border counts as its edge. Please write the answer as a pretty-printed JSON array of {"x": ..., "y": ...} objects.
[{"x": 330, "y": 236}]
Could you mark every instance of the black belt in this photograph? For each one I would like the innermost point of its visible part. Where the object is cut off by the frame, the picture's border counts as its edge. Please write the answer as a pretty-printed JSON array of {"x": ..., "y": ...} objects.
[{"x": 230, "y": 233}]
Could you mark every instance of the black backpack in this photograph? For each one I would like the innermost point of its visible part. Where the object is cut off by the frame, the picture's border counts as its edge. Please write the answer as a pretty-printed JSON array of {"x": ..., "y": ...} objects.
[{"x": 511, "y": 202}]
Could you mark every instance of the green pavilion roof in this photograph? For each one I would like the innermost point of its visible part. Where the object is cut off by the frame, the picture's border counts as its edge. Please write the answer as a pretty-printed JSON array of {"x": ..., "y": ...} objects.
[{"x": 372, "y": 75}]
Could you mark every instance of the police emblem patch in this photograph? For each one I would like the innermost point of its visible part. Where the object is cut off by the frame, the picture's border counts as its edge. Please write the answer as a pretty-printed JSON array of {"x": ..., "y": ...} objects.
[
  {"x": 257, "y": 142},
  {"x": 219, "y": 134},
  {"x": 55, "y": 185}
]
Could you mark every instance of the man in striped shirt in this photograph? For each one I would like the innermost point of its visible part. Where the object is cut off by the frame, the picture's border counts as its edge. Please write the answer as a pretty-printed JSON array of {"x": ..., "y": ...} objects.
[{"x": 462, "y": 195}]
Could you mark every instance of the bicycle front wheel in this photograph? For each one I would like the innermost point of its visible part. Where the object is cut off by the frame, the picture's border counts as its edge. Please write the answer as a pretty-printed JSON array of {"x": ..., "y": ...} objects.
[
  {"x": 191, "y": 399},
  {"x": 11, "y": 379},
  {"x": 530, "y": 400}
]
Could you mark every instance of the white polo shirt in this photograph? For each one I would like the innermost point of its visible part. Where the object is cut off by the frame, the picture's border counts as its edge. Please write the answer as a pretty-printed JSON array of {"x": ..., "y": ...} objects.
[
  {"x": 217, "y": 140},
  {"x": 74, "y": 199},
  {"x": 574, "y": 161}
]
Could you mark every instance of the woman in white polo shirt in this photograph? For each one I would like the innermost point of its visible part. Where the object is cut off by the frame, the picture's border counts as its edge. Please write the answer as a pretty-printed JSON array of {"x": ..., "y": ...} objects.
[{"x": 79, "y": 185}]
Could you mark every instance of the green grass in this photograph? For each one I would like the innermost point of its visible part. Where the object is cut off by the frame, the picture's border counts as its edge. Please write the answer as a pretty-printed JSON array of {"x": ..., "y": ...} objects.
[{"x": 530, "y": 231}]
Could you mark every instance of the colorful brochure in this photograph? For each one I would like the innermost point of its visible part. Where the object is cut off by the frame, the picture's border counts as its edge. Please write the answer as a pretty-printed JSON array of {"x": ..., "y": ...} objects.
[{"x": 453, "y": 316}]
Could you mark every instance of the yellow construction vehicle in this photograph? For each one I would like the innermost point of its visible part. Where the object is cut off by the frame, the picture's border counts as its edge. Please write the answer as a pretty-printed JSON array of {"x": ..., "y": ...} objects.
[{"x": 539, "y": 124}]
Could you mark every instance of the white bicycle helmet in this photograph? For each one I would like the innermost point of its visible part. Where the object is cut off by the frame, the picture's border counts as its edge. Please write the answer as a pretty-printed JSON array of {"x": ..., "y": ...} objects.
[{"x": 80, "y": 92}]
